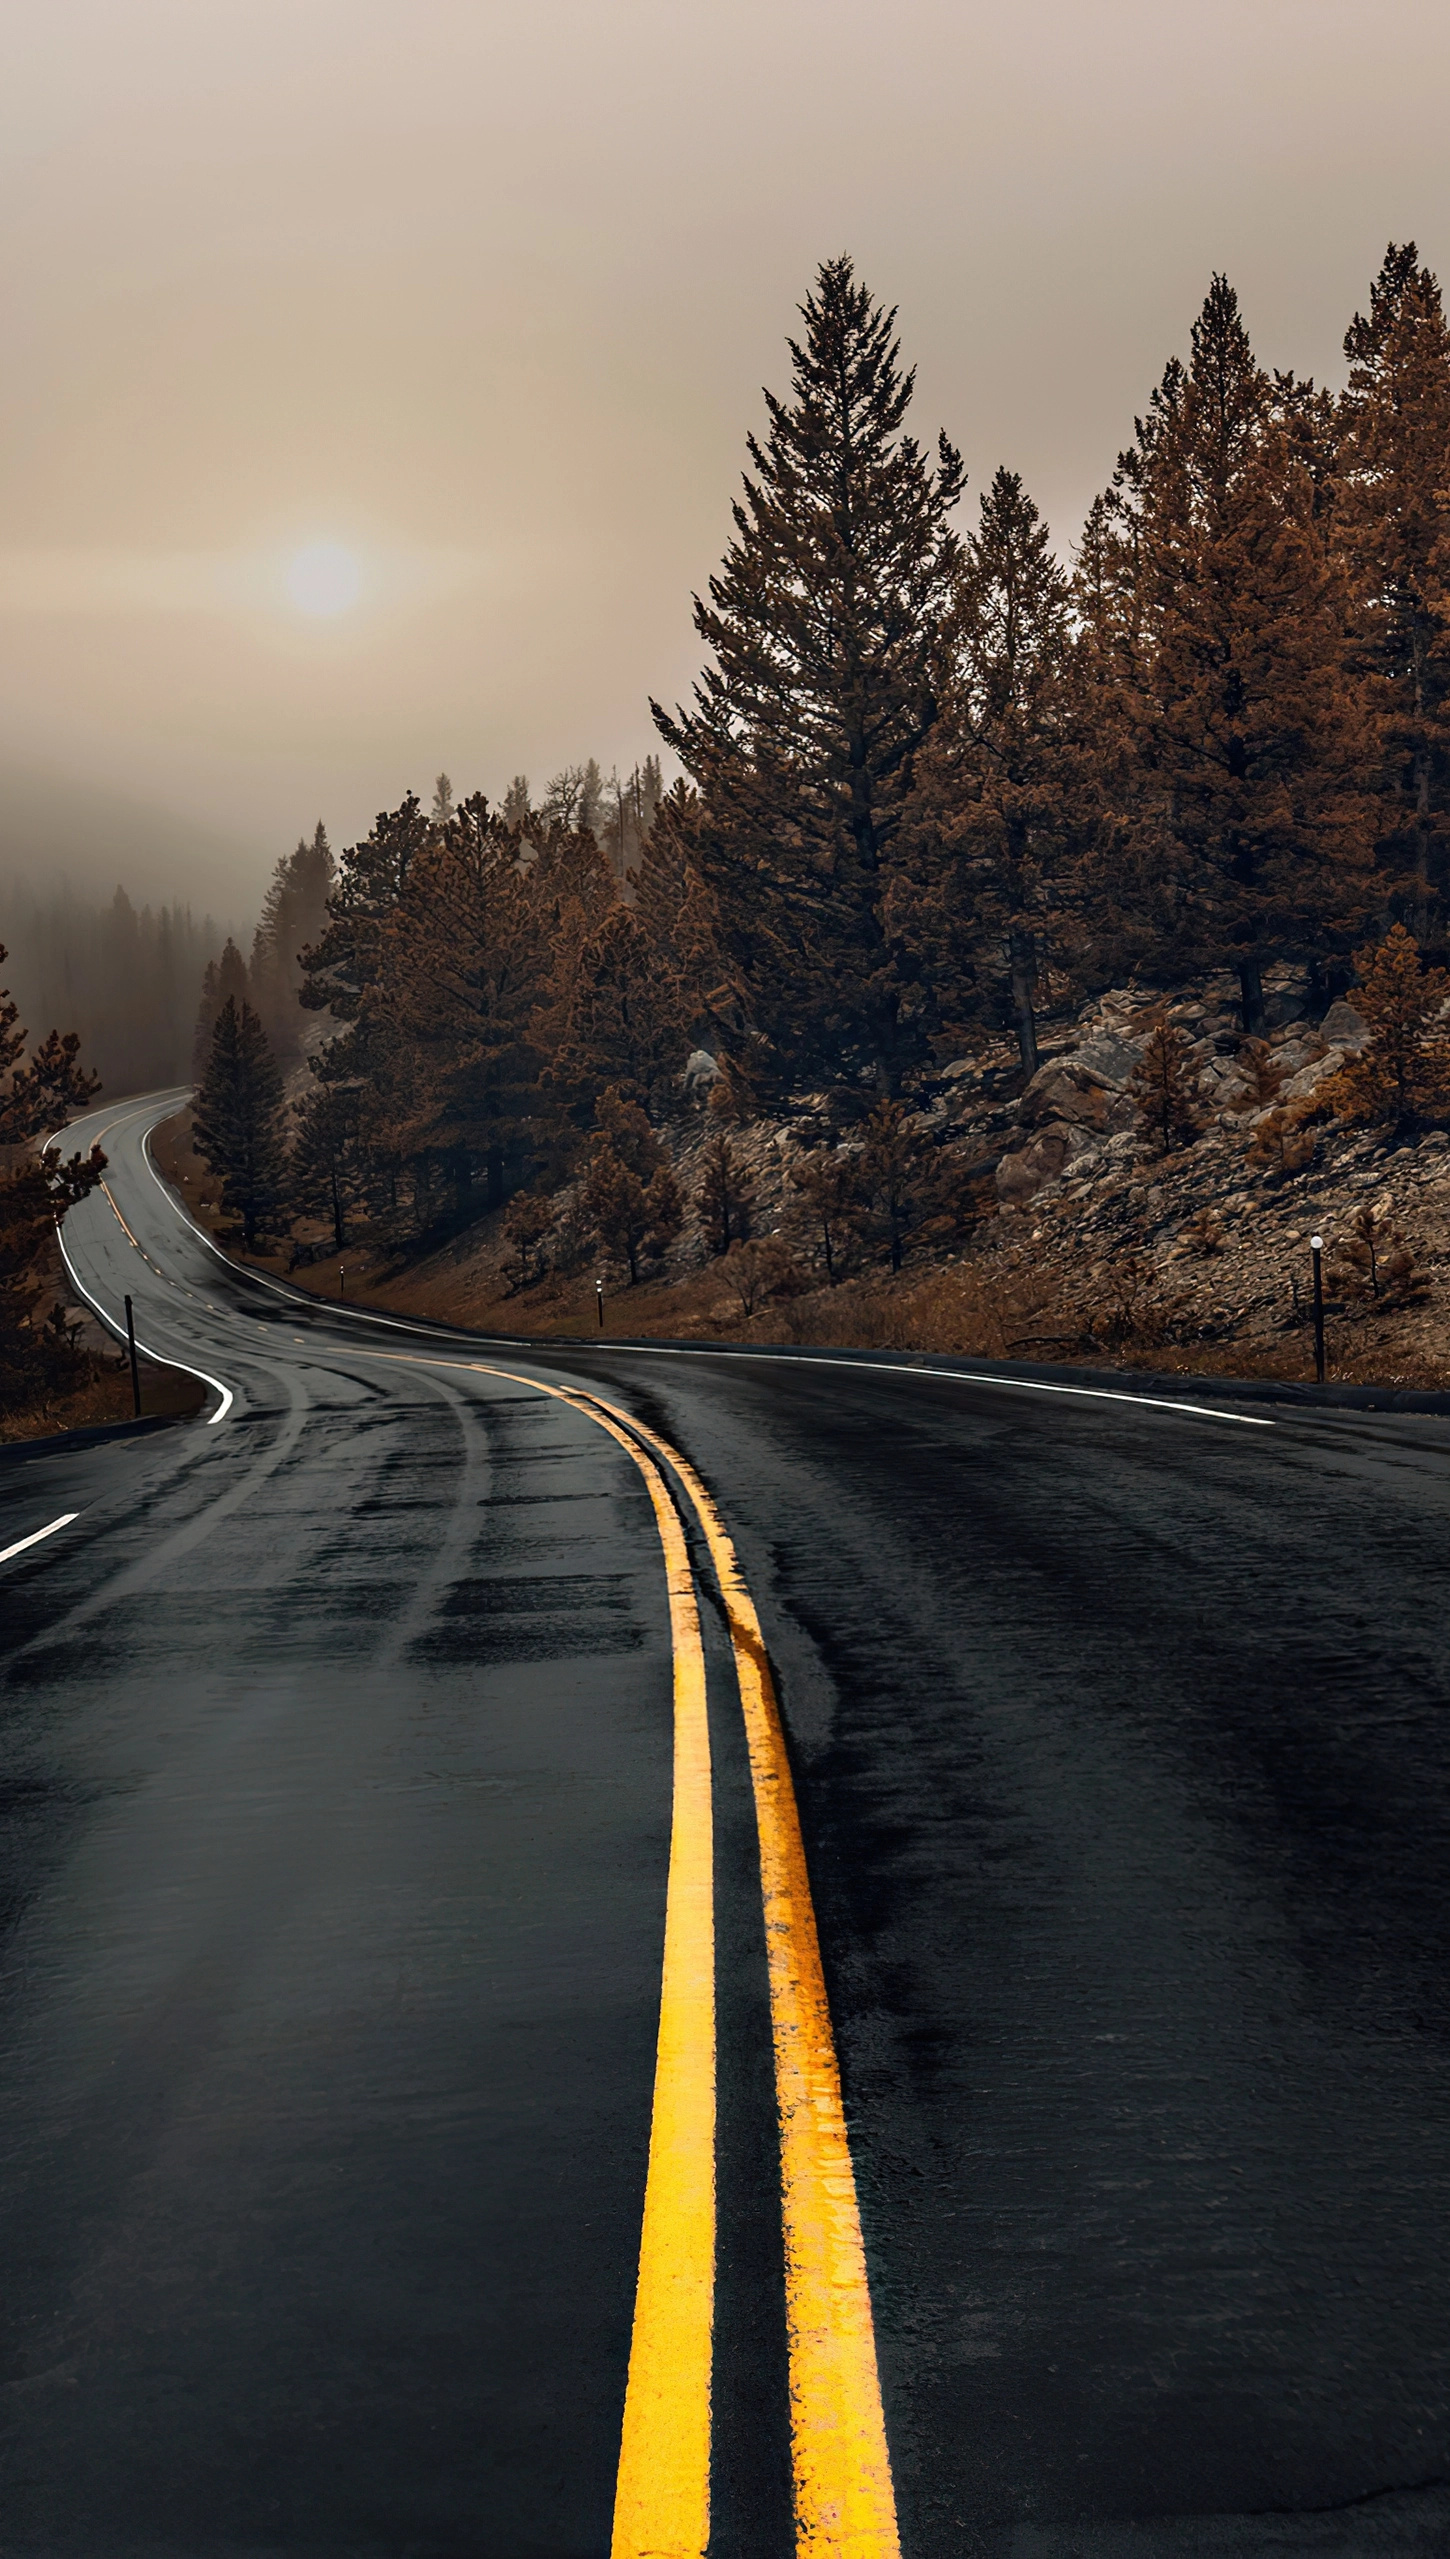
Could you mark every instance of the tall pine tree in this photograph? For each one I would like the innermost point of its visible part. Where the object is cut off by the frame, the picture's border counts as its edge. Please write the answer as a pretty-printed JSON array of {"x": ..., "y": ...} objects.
[
  {"x": 238, "y": 1119},
  {"x": 987, "y": 830},
  {"x": 1251, "y": 735},
  {"x": 824, "y": 623},
  {"x": 225, "y": 982},
  {"x": 346, "y": 958},
  {"x": 628, "y": 1021},
  {"x": 459, "y": 980},
  {"x": 294, "y": 914},
  {"x": 1394, "y": 522}
]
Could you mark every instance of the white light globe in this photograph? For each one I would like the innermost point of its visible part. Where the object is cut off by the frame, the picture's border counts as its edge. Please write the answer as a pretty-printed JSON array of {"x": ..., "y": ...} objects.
[{"x": 324, "y": 579}]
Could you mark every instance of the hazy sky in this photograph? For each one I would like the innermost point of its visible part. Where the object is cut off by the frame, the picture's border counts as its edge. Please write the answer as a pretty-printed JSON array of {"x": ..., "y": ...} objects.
[{"x": 481, "y": 293}]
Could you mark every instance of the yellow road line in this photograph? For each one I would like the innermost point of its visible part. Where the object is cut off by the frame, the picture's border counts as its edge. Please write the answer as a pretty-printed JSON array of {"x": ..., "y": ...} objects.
[
  {"x": 125, "y": 1229},
  {"x": 844, "y": 2501},
  {"x": 662, "y": 2492},
  {"x": 845, "y": 2506}
]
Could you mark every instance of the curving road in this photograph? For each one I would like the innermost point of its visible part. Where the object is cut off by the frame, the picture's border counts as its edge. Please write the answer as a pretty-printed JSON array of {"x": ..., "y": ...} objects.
[{"x": 340, "y": 1748}]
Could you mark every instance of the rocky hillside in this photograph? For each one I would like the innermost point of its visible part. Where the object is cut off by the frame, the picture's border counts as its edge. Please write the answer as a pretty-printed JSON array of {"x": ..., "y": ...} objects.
[
  {"x": 1093, "y": 1239},
  {"x": 1110, "y": 1240},
  {"x": 1069, "y": 1232}
]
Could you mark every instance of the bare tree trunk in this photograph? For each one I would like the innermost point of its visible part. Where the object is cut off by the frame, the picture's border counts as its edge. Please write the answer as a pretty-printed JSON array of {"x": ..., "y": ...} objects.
[{"x": 1251, "y": 996}]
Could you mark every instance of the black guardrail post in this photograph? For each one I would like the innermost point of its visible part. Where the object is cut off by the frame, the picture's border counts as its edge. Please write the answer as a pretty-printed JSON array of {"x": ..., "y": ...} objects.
[{"x": 135, "y": 1371}]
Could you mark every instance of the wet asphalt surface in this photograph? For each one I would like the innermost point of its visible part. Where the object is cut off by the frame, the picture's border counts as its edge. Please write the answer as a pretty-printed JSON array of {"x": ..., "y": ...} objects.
[{"x": 335, "y": 1773}]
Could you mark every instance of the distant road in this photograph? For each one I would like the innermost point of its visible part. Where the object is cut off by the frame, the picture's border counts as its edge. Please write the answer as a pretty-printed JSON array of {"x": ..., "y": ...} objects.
[{"x": 338, "y": 1737}]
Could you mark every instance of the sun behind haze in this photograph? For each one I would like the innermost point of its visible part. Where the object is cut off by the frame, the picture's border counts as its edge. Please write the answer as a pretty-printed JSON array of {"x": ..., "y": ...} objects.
[
  {"x": 494, "y": 284},
  {"x": 324, "y": 579}
]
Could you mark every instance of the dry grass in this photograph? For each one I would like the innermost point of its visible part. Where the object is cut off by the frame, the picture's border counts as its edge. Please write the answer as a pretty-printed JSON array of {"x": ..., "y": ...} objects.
[{"x": 105, "y": 1397}]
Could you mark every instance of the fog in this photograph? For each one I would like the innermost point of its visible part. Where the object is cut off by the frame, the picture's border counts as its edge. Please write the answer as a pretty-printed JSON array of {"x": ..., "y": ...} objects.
[
  {"x": 59, "y": 828},
  {"x": 481, "y": 293}
]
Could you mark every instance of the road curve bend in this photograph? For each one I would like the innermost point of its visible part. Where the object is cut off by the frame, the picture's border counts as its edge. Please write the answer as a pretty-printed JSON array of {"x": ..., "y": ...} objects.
[{"x": 609, "y": 1953}]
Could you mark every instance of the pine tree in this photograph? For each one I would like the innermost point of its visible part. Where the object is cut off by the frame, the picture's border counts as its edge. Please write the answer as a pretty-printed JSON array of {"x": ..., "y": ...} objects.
[
  {"x": 237, "y": 1126},
  {"x": 985, "y": 836},
  {"x": 329, "y": 1162},
  {"x": 1281, "y": 1143},
  {"x": 627, "y": 1023},
  {"x": 460, "y": 976},
  {"x": 1373, "y": 1249},
  {"x": 724, "y": 1194},
  {"x": 345, "y": 959},
  {"x": 591, "y": 801},
  {"x": 1125, "y": 899},
  {"x": 528, "y": 1226},
  {"x": 341, "y": 969},
  {"x": 441, "y": 814},
  {"x": 829, "y": 1184},
  {"x": 1249, "y": 735},
  {"x": 39, "y": 1092},
  {"x": 630, "y": 1196},
  {"x": 34, "y": 1196},
  {"x": 647, "y": 789},
  {"x": 1257, "y": 1061},
  {"x": 225, "y": 982},
  {"x": 824, "y": 623},
  {"x": 904, "y": 1184},
  {"x": 572, "y": 895},
  {"x": 1402, "y": 1074},
  {"x": 36, "y": 1094},
  {"x": 1163, "y": 1089},
  {"x": 1393, "y": 517},
  {"x": 294, "y": 914},
  {"x": 674, "y": 909}
]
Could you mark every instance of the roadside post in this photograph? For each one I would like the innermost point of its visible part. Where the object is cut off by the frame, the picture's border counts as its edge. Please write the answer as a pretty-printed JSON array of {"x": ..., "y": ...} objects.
[
  {"x": 341, "y": 1280},
  {"x": 599, "y": 1301},
  {"x": 1316, "y": 1247},
  {"x": 135, "y": 1371}
]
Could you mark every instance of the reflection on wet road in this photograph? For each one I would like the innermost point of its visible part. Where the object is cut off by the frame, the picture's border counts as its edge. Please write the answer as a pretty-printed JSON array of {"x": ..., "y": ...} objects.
[{"x": 341, "y": 1778}]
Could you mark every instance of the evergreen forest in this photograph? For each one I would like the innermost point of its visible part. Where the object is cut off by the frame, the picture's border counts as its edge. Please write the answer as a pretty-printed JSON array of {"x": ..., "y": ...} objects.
[
  {"x": 942, "y": 780},
  {"x": 936, "y": 781}
]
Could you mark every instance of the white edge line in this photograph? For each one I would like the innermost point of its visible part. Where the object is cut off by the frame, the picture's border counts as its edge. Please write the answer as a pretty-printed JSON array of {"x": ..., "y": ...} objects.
[
  {"x": 119, "y": 1334},
  {"x": 653, "y": 1350},
  {"x": 36, "y": 1535},
  {"x": 955, "y": 1376},
  {"x": 303, "y": 1298}
]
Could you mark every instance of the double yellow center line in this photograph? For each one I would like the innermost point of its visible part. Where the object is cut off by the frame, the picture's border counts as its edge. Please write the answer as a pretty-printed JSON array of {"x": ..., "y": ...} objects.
[{"x": 844, "y": 2505}]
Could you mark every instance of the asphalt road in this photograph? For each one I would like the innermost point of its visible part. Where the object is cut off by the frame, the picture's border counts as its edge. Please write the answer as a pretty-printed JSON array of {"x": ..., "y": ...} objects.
[{"x": 335, "y": 1760}]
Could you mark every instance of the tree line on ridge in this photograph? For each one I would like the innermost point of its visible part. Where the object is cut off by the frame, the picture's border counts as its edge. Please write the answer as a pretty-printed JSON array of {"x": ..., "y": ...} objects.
[{"x": 935, "y": 782}]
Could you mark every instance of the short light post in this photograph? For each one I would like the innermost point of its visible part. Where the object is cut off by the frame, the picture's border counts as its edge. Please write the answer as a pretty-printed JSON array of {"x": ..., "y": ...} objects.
[
  {"x": 599, "y": 1301},
  {"x": 1316, "y": 1248},
  {"x": 135, "y": 1371}
]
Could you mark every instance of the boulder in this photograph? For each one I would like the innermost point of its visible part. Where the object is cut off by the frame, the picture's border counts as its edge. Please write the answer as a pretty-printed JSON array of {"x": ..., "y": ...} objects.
[
  {"x": 1297, "y": 1088},
  {"x": 1107, "y": 1058},
  {"x": 1284, "y": 1005},
  {"x": 1343, "y": 1027},
  {"x": 1045, "y": 1158},
  {"x": 1068, "y": 1089}
]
